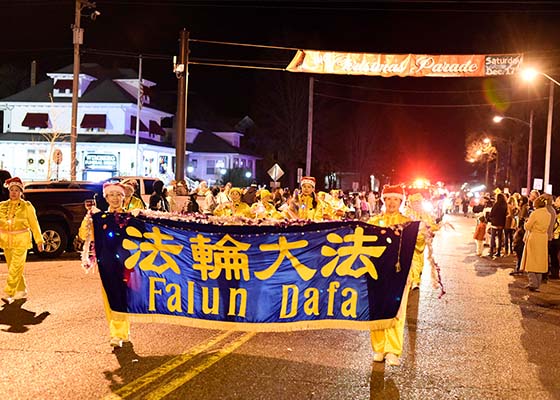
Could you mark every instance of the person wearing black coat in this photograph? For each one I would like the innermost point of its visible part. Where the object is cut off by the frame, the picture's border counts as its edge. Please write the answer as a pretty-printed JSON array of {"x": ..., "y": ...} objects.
[
  {"x": 158, "y": 201},
  {"x": 497, "y": 219}
]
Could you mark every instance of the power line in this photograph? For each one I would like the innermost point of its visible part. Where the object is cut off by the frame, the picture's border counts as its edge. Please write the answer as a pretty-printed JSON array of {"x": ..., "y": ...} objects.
[
  {"x": 237, "y": 66},
  {"x": 427, "y": 105},
  {"x": 244, "y": 44},
  {"x": 408, "y": 91},
  {"x": 465, "y": 6}
]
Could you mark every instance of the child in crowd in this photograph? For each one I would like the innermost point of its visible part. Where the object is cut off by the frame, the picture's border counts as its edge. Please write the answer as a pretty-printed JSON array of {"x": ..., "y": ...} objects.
[
  {"x": 518, "y": 246},
  {"x": 479, "y": 235}
]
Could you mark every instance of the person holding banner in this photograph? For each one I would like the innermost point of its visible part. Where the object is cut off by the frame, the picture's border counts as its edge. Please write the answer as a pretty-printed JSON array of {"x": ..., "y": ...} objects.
[
  {"x": 18, "y": 222},
  {"x": 114, "y": 193},
  {"x": 387, "y": 343},
  {"x": 308, "y": 204},
  {"x": 264, "y": 207},
  {"x": 235, "y": 207},
  {"x": 131, "y": 201}
]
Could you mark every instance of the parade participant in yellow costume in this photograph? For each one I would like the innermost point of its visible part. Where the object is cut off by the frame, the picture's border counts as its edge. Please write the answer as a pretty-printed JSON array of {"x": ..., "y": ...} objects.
[
  {"x": 114, "y": 193},
  {"x": 264, "y": 207},
  {"x": 428, "y": 227},
  {"x": 235, "y": 207},
  {"x": 337, "y": 204},
  {"x": 131, "y": 202},
  {"x": 309, "y": 205},
  {"x": 328, "y": 210},
  {"x": 18, "y": 221},
  {"x": 387, "y": 343}
]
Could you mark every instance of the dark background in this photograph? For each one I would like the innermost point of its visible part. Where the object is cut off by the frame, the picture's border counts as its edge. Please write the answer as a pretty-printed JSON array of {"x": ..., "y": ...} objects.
[{"x": 396, "y": 128}]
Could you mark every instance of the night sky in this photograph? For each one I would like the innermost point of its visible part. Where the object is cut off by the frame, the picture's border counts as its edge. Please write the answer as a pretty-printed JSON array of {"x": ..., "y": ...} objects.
[{"x": 409, "y": 126}]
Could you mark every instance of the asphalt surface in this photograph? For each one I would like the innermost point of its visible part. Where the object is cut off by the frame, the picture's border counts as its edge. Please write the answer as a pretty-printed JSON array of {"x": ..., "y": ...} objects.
[{"x": 487, "y": 338}]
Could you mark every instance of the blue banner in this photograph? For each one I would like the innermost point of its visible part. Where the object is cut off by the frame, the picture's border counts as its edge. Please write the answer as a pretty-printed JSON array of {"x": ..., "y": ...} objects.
[{"x": 348, "y": 275}]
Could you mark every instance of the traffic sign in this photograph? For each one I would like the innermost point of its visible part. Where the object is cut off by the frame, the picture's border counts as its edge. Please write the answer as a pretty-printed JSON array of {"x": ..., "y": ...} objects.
[{"x": 275, "y": 172}]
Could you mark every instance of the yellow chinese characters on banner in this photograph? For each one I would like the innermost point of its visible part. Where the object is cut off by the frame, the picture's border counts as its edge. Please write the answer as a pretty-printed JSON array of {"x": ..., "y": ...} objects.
[{"x": 414, "y": 65}]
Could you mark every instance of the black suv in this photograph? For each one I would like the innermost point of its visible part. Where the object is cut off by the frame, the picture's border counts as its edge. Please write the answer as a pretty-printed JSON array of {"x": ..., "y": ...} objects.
[{"x": 60, "y": 210}]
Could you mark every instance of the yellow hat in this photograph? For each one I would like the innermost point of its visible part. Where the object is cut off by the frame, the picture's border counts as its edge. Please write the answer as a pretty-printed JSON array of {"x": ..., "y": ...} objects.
[
  {"x": 415, "y": 197},
  {"x": 235, "y": 189},
  {"x": 263, "y": 193}
]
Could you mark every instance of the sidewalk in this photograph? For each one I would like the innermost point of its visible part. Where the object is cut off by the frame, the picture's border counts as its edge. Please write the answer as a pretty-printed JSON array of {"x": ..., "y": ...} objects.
[{"x": 548, "y": 294}]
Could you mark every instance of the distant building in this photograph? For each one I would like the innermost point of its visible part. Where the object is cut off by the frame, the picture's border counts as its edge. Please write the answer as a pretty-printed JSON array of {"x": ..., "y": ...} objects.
[{"x": 35, "y": 129}]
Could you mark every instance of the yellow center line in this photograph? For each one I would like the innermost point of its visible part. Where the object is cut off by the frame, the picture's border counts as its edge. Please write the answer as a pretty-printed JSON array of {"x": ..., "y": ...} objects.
[
  {"x": 154, "y": 374},
  {"x": 214, "y": 358}
]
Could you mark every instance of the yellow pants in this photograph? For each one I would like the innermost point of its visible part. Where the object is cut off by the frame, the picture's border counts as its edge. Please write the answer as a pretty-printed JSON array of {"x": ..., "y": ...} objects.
[
  {"x": 15, "y": 258},
  {"x": 117, "y": 328},
  {"x": 390, "y": 340},
  {"x": 417, "y": 266}
]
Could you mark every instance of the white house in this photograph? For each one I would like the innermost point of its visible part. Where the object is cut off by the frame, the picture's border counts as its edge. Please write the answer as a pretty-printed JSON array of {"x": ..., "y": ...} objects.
[{"x": 35, "y": 129}]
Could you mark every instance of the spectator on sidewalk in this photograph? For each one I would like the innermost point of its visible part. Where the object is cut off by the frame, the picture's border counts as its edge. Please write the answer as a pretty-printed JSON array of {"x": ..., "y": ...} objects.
[
  {"x": 479, "y": 235},
  {"x": 554, "y": 244},
  {"x": 511, "y": 224},
  {"x": 518, "y": 246},
  {"x": 497, "y": 222},
  {"x": 535, "y": 254}
]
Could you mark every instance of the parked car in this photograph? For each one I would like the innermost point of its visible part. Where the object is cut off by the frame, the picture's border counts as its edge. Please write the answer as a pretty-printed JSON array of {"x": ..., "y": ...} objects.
[{"x": 60, "y": 210}]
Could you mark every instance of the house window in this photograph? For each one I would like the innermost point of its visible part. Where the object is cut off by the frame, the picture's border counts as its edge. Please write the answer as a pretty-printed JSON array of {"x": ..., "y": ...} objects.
[
  {"x": 236, "y": 163},
  {"x": 162, "y": 164},
  {"x": 242, "y": 164},
  {"x": 250, "y": 164},
  {"x": 63, "y": 86},
  {"x": 210, "y": 167},
  {"x": 194, "y": 163}
]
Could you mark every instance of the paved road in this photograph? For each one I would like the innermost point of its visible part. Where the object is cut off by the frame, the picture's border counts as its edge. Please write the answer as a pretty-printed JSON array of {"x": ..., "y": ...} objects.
[{"x": 487, "y": 338}]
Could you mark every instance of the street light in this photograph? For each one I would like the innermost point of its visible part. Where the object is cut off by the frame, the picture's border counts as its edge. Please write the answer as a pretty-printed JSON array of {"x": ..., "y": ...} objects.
[
  {"x": 499, "y": 118},
  {"x": 530, "y": 74}
]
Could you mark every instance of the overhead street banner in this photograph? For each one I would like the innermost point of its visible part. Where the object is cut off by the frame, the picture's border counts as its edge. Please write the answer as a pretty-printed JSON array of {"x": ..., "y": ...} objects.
[
  {"x": 414, "y": 65},
  {"x": 340, "y": 275}
]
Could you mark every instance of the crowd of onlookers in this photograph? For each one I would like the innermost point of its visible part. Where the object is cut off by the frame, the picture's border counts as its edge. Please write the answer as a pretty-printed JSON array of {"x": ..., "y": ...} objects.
[
  {"x": 527, "y": 226},
  {"x": 254, "y": 201}
]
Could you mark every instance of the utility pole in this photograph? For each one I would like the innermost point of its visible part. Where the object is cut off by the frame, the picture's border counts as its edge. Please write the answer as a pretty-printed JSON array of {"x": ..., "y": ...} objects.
[
  {"x": 548, "y": 137},
  {"x": 530, "y": 153},
  {"x": 309, "y": 128},
  {"x": 138, "y": 110},
  {"x": 182, "y": 72},
  {"x": 78, "y": 39}
]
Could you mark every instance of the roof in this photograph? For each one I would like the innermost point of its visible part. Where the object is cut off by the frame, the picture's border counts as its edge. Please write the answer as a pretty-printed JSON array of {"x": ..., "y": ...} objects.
[
  {"x": 102, "y": 90},
  {"x": 99, "y": 72},
  {"x": 208, "y": 142}
]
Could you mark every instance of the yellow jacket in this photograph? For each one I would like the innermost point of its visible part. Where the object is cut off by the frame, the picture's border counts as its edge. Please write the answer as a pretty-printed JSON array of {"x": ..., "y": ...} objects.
[
  {"x": 240, "y": 209},
  {"x": 306, "y": 210},
  {"x": 264, "y": 210},
  {"x": 18, "y": 221},
  {"x": 134, "y": 204},
  {"x": 388, "y": 219}
]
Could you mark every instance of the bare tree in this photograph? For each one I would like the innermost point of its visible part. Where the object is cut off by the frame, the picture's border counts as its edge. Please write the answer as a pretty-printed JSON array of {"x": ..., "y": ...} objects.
[
  {"x": 53, "y": 136},
  {"x": 282, "y": 119}
]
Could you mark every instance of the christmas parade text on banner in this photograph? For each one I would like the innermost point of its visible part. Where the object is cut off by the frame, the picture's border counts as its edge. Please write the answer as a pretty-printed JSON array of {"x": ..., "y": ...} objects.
[
  {"x": 414, "y": 65},
  {"x": 347, "y": 275}
]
